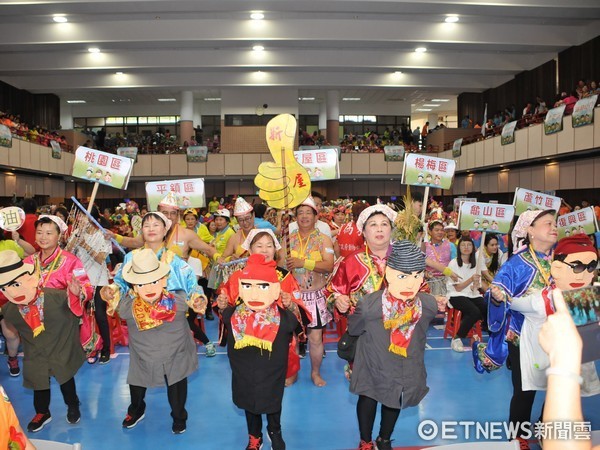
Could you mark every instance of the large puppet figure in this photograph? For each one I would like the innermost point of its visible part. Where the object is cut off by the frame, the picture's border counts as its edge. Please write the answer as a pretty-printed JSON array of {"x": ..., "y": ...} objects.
[
  {"x": 161, "y": 346},
  {"x": 259, "y": 335},
  {"x": 47, "y": 320},
  {"x": 389, "y": 365}
]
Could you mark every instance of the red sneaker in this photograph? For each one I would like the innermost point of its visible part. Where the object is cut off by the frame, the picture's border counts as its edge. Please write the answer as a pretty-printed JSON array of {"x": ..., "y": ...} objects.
[
  {"x": 254, "y": 443},
  {"x": 366, "y": 445}
]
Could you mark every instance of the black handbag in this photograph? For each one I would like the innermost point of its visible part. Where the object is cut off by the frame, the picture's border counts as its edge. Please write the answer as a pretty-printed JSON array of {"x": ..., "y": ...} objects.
[{"x": 347, "y": 347}]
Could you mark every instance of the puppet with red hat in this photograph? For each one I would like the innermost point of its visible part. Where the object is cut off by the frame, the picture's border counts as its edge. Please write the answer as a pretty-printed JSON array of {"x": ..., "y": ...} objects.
[{"x": 260, "y": 332}]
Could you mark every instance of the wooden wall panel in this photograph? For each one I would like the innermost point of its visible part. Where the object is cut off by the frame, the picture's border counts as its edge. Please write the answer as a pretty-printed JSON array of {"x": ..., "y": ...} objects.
[
  {"x": 537, "y": 178},
  {"x": 345, "y": 163},
  {"x": 503, "y": 181},
  {"x": 566, "y": 137},
  {"x": 534, "y": 141},
  {"x": 584, "y": 137},
  {"x": 215, "y": 165},
  {"x": 567, "y": 175},
  {"x": 513, "y": 180},
  {"x": 584, "y": 174},
  {"x": 487, "y": 150},
  {"x": 377, "y": 164},
  {"x": 178, "y": 166},
  {"x": 360, "y": 162},
  {"x": 552, "y": 176},
  {"x": 160, "y": 165},
  {"x": 233, "y": 164},
  {"x": 479, "y": 156},
  {"x": 250, "y": 163},
  {"x": 143, "y": 166}
]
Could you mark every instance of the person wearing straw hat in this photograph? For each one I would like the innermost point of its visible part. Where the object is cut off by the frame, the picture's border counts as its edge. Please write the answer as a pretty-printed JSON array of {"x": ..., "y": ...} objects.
[
  {"x": 47, "y": 318},
  {"x": 244, "y": 214},
  {"x": 261, "y": 332},
  {"x": 160, "y": 344},
  {"x": 391, "y": 325}
]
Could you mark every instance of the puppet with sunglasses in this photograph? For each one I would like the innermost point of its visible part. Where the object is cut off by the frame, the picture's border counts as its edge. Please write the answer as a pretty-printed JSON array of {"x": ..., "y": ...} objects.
[{"x": 574, "y": 263}]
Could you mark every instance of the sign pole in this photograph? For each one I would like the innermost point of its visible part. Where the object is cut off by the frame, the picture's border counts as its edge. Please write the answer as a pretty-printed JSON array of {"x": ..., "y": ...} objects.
[{"x": 93, "y": 197}]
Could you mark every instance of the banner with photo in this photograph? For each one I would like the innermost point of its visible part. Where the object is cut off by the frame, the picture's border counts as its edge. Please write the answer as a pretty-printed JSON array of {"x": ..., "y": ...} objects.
[
  {"x": 583, "y": 112},
  {"x": 190, "y": 192},
  {"x": 488, "y": 217},
  {"x": 532, "y": 200},
  {"x": 197, "y": 153},
  {"x": 393, "y": 152},
  {"x": 56, "y": 150},
  {"x": 128, "y": 152},
  {"x": 322, "y": 164},
  {"x": 456, "y": 148},
  {"x": 5, "y": 137},
  {"x": 581, "y": 221},
  {"x": 508, "y": 133},
  {"x": 420, "y": 170},
  {"x": 100, "y": 167},
  {"x": 553, "y": 122}
]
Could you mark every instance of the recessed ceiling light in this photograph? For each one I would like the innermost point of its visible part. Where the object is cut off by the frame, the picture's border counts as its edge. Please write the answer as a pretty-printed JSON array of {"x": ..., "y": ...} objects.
[
  {"x": 257, "y": 15},
  {"x": 420, "y": 49},
  {"x": 59, "y": 18},
  {"x": 398, "y": 72},
  {"x": 440, "y": 100},
  {"x": 166, "y": 99},
  {"x": 212, "y": 99},
  {"x": 306, "y": 99},
  {"x": 119, "y": 73},
  {"x": 430, "y": 104},
  {"x": 94, "y": 50},
  {"x": 75, "y": 101},
  {"x": 423, "y": 109},
  {"x": 451, "y": 18},
  {"x": 351, "y": 99},
  {"x": 258, "y": 48}
]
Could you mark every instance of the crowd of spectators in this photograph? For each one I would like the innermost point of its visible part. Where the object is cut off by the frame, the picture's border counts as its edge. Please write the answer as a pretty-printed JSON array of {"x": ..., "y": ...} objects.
[
  {"x": 161, "y": 142},
  {"x": 36, "y": 134}
]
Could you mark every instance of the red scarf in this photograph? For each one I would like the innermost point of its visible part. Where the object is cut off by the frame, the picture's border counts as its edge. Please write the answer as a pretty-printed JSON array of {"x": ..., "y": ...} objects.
[
  {"x": 151, "y": 315},
  {"x": 255, "y": 328},
  {"x": 33, "y": 313},
  {"x": 400, "y": 317}
]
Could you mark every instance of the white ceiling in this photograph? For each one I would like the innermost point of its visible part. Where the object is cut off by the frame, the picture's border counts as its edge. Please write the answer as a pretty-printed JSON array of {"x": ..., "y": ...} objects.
[{"x": 164, "y": 47}]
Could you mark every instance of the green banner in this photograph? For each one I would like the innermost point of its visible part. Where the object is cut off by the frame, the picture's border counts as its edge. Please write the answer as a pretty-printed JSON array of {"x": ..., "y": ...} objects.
[
  {"x": 553, "y": 121},
  {"x": 421, "y": 170},
  {"x": 197, "y": 153},
  {"x": 583, "y": 112},
  {"x": 104, "y": 168},
  {"x": 322, "y": 164},
  {"x": 5, "y": 136},
  {"x": 488, "y": 217},
  {"x": 508, "y": 133},
  {"x": 581, "y": 221}
]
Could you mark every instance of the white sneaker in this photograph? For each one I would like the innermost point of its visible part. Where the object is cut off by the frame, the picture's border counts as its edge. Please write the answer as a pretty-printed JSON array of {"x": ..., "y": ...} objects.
[{"x": 458, "y": 346}]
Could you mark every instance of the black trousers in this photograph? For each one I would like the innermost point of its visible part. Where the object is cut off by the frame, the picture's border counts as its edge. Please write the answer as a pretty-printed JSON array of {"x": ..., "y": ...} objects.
[
  {"x": 196, "y": 330},
  {"x": 472, "y": 310},
  {"x": 366, "y": 408},
  {"x": 176, "y": 393},
  {"x": 41, "y": 398},
  {"x": 254, "y": 422},
  {"x": 102, "y": 320},
  {"x": 521, "y": 402}
]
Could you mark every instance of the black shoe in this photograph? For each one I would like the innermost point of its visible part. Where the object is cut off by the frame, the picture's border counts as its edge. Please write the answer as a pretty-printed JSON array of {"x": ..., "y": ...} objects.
[
  {"x": 132, "y": 421},
  {"x": 383, "y": 444},
  {"x": 302, "y": 350},
  {"x": 178, "y": 427},
  {"x": 13, "y": 366},
  {"x": 73, "y": 414},
  {"x": 38, "y": 422},
  {"x": 277, "y": 442},
  {"x": 104, "y": 357}
]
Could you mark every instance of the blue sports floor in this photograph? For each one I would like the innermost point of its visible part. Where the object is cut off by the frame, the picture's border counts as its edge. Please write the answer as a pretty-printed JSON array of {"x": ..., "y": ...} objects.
[{"x": 313, "y": 418}]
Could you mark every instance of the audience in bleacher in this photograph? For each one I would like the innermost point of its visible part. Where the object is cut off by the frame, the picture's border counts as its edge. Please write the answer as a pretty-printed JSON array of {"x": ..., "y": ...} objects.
[{"x": 36, "y": 134}]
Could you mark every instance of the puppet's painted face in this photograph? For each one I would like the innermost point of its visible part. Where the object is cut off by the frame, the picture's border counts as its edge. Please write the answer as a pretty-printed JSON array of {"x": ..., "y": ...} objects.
[
  {"x": 258, "y": 294},
  {"x": 23, "y": 290},
  {"x": 573, "y": 273},
  {"x": 403, "y": 285},
  {"x": 151, "y": 292}
]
